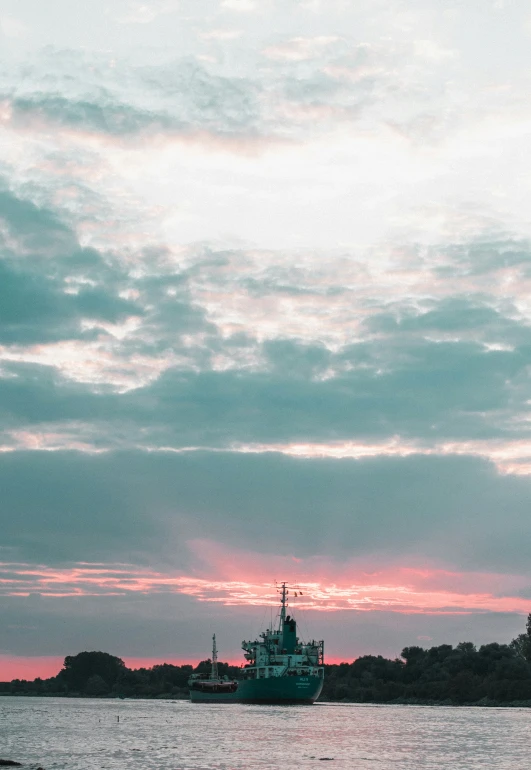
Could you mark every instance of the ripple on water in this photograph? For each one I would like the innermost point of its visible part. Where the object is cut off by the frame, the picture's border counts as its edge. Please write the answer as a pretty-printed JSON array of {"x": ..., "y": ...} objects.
[{"x": 77, "y": 734}]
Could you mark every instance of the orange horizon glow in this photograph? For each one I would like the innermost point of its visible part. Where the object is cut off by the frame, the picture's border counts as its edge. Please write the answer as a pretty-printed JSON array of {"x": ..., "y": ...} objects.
[
  {"x": 48, "y": 666},
  {"x": 29, "y": 668}
]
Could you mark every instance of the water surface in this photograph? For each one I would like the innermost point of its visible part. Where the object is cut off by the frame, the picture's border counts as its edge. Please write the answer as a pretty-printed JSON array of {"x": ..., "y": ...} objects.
[{"x": 77, "y": 734}]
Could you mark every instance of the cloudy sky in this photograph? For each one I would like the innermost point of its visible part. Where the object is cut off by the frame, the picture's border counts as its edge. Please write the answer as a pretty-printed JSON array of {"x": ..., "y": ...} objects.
[{"x": 265, "y": 313}]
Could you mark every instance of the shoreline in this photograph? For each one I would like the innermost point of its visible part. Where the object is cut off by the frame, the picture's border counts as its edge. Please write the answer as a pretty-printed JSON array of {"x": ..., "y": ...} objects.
[{"x": 483, "y": 703}]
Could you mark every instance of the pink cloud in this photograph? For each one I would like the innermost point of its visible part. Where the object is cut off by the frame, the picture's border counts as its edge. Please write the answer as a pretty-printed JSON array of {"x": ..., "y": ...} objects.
[
  {"x": 300, "y": 48},
  {"x": 244, "y": 579}
]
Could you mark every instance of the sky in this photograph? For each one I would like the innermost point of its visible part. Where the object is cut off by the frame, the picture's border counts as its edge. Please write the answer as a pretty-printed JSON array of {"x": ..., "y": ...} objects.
[{"x": 265, "y": 314}]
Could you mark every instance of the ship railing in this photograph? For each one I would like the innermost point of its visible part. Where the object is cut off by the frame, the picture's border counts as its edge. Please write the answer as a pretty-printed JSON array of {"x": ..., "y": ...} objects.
[{"x": 198, "y": 677}]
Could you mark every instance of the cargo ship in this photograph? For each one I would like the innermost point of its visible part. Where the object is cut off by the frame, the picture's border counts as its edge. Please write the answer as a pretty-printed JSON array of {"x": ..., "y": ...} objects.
[{"x": 280, "y": 668}]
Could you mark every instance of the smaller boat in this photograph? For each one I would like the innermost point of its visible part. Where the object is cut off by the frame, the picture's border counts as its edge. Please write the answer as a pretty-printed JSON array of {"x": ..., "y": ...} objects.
[{"x": 203, "y": 685}]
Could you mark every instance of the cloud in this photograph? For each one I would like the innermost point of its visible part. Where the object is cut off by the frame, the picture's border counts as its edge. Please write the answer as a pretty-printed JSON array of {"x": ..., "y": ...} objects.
[
  {"x": 211, "y": 354},
  {"x": 177, "y": 627},
  {"x": 143, "y": 508},
  {"x": 240, "y": 6},
  {"x": 62, "y": 626},
  {"x": 106, "y": 118},
  {"x": 257, "y": 351},
  {"x": 173, "y": 99},
  {"x": 78, "y": 310},
  {"x": 396, "y": 593},
  {"x": 33, "y": 311},
  {"x": 300, "y": 49},
  {"x": 12, "y": 27},
  {"x": 378, "y": 606},
  {"x": 221, "y": 34},
  {"x": 145, "y": 13},
  {"x": 48, "y": 282},
  {"x": 341, "y": 77}
]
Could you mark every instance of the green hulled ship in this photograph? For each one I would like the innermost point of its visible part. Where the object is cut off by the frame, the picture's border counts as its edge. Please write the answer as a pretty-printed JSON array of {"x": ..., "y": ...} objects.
[{"x": 280, "y": 668}]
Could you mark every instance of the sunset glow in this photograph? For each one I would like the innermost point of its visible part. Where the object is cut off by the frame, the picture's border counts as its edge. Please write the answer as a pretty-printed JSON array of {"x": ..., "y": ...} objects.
[{"x": 402, "y": 590}]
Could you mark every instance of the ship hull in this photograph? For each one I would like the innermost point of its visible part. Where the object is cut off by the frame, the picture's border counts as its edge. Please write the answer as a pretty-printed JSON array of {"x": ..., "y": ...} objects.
[{"x": 281, "y": 689}]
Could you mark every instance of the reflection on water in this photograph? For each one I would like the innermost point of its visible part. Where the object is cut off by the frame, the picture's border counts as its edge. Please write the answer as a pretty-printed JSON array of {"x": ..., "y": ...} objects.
[{"x": 176, "y": 735}]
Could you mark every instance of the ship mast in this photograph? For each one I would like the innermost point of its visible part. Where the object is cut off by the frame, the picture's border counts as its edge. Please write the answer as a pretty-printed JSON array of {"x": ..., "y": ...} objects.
[
  {"x": 284, "y": 604},
  {"x": 214, "y": 672}
]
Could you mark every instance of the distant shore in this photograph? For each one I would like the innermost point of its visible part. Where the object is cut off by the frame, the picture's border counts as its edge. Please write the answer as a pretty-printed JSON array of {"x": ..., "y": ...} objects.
[
  {"x": 483, "y": 703},
  {"x": 493, "y": 675}
]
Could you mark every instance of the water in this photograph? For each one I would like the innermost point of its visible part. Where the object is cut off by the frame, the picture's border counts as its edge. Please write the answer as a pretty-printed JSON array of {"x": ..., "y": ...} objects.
[{"x": 78, "y": 734}]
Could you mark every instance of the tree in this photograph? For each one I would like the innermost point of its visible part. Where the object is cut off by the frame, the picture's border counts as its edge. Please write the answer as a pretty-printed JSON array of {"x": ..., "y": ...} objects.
[
  {"x": 519, "y": 645},
  {"x": 78, "y": 669},
  {"x": 466, "y": 647},
  {"x": 412, "y": 654},
  {"x": 522, "y": 643},
  {"x": 96, "y": 685}
]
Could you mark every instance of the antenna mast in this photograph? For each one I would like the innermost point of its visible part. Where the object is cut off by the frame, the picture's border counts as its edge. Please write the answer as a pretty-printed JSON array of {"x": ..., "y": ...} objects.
[
  {"x": 284, "y": 603},
  {"x": 214, "y": 672}
]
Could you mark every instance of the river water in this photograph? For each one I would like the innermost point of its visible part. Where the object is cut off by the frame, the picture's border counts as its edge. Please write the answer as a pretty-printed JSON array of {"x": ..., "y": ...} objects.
[{"x": 78, "y": 734}]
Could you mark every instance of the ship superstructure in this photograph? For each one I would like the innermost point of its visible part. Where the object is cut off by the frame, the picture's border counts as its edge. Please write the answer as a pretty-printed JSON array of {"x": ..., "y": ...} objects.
[
  {"x": 280, "y": 667},
  {"x": 279, "y": 652}
]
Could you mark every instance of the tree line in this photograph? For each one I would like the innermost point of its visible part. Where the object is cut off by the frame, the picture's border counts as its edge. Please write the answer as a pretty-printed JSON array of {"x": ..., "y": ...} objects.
[
  {"x": 99, "y": 674},
  {"x": 493, "y": 674}
]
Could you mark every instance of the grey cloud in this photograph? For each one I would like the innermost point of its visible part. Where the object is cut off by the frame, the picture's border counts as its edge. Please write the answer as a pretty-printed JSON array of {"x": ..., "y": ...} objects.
[
  {"x": 37, "y": 256},
  {"x": 36, "y": 309},
  {"x": 35, "y": 228},
  {"x": 170, "y": 627},
  {"x": 453, "y": 386},
  {"x": 396, "y": 380},
  {"x": 297, "y": 360},
  {"x": 440, "y": 389},
  {"x": 382, "y": 633},
  {"x": 99, "y": 303},
  {"x": 171, "y": 312},
  {"x": 427, "y": 390},
  {"x": 31, "y": 394},
  {"x": 314, "y": 89},
  {"x": 182, "y": 97},
  {"x": 343, "y": 75},
  {"x": 203, "y": 99},
  {"x": 71, "y": 510},
  {"x": 489, "y": 254},
  {"x": 139, "y": 507},
  {"x": 110, "y": 117},
  {"x": 477, "y": 323},
  {"x": 451, "y": 315},
  {"x": 48, "y": 283}
]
